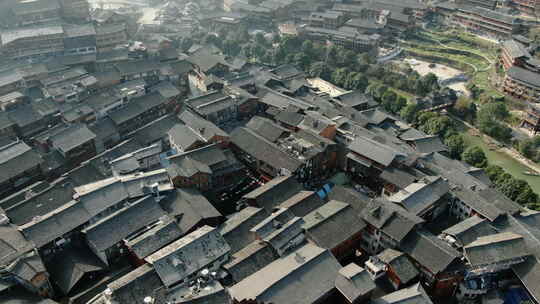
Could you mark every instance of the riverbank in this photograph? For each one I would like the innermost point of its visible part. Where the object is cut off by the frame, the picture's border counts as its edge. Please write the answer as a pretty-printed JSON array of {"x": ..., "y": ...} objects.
[{"x": 509, "y": 159}]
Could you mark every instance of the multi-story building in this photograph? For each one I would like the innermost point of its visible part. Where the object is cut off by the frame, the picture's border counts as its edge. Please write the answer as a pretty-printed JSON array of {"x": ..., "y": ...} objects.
[
  {"x": 76, "y": 10},
  {"x": 484, "y": 21},
  {"x": 513, "y": 53},
  {"x": 347, "y": 37},
  {"x": 20, "y": 165},
  {"x": 328, "y": 19},
  {"x": 109, "y": 36},
  {"x": 522, "y": 84},
  {"x": 207, "y": 169},
  {"x": 528, "y": 7},
  {"x": 33, "y": 42},
  {"x": 532, "y": 118},
  {"x": 36, "y": 12},
  {"x": 489, "y": 4},
  {"x": 80, "y": 39}
]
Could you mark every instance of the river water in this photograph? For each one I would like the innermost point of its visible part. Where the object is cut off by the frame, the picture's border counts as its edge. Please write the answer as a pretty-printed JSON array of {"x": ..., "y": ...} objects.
[{"x": 512, "y": 166}]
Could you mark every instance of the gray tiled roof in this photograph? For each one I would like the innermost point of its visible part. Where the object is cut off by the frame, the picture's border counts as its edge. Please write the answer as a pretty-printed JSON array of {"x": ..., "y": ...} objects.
[
  {"x": 302, "y": 203},
  {"x": 266, "y": 128},
  {"x": 185, "y": 256},
  {"x": 515, "y": 49},
  {"x": 420, "y": 196},
  {"x": 190, "y": 208},
  {"x": 249, "y": 260},
  {"x": 354, "y": 282},
  {"x": 16, "y": 158},
  {"x": 164, "y": 233},
  {"x": 236, "y": 229},
  {"x": 525, "y": 76},
  {"x": 112, "y": 229},
  {"x": 373, "y": 150},
  {"x": 470, "y": 229},
  {"x": 429, "y": 251},
  {"x": 496, "y": 248},
  {"x": 332, "y": 224},
  {"x": 303, "y": 276},
  {"x": 401, "y": 265},
  {"x": 263, "y": 150},
  {"x": 72, "y": 137},
  {"x": 274, "y": 192},
  {"x": 411, "y": 295},
  {"x": 70, "y": 265}
]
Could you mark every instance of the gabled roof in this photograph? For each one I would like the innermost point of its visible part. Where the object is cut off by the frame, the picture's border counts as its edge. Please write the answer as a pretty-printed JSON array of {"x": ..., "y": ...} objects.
[
  {"x": 393, "y": 220},
  {"x": 206, "y": 128},
  {"x": 402, "y": 267},
  {"x": 206, "y": 61},
  {"x": 72, "y": 137},
  {"x": 281, "y": 101},
  {"x": 373, "y": 150},
  {"x": 411, "y": 295},
  {"x": 354, "y": 282},
  {"x": 332, "y": 224},
  {"x": 515, "y": 49},
  {"x": 16, "y": 158},
  {"x": 263, "y": 150},
  {"x": 420, "y": 196},
  {"x": 266, "y": 128},
  {"x": 399, "y": 177},
  {"x": 249, "y": 260},
  {"x": 137, "y": 107},
  {"x": 112, "y": 229},
  {"x": 349, "y": 195},
  {"x": 236, "y": 230},
  {"x": 135, "y": 285},
  {"x": 496, "y": 248},
  {"x": 190, "y": 208},
  {"x": 302, "y": 203},
  {"x": 184, "y": 137},
  {"x": 70, "y": 265},
  {"x": 208, "y": 160},
  {"x": 528, "y": 77},
  {"x": 303, "y": 276},
  {"x": 137, "y": 67},
  {"x": 189, "y": 254},
  {"x": 274, "y": 192},
  {"x": 470, "y": 229},
  {"x": 429, "y": 251},
  {"x": 157, "y": 237}
]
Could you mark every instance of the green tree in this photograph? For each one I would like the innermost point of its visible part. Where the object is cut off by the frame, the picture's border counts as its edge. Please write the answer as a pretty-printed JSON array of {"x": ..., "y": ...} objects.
[
  {"x": 512, "y": 187},
  {"x": 489, "y": 119},
  {"x": 358, "y": 82},
  {"x": 425, "y": 117},
  {"x": 319, "y": 69},
  {"x": 494, "y": 172},
  {"x": 307, "y": 47},
  {"x": 259, "y": 39},
  {"x": 464, "y": 108},
  {"x": 438, "y": 125},
  {"x": 339, "y": 76},
  {"x": 410, "y": 112},
  {"x": 231, "y": 48},
  {"x": 456, "y": 145},
  {"x": 474, "y": 156},
  {"x": 388, "y": 99},
  {"x": 401, "y": 102},
  {"x": 301, "y": 60}
]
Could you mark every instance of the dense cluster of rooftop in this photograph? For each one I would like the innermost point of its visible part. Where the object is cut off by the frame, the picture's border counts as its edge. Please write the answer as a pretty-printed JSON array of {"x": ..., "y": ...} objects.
[{"x": 134, "y": 175}]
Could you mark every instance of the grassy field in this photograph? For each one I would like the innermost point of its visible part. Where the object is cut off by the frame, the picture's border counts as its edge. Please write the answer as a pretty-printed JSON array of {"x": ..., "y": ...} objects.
[{"x": 435, "y": 43}]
